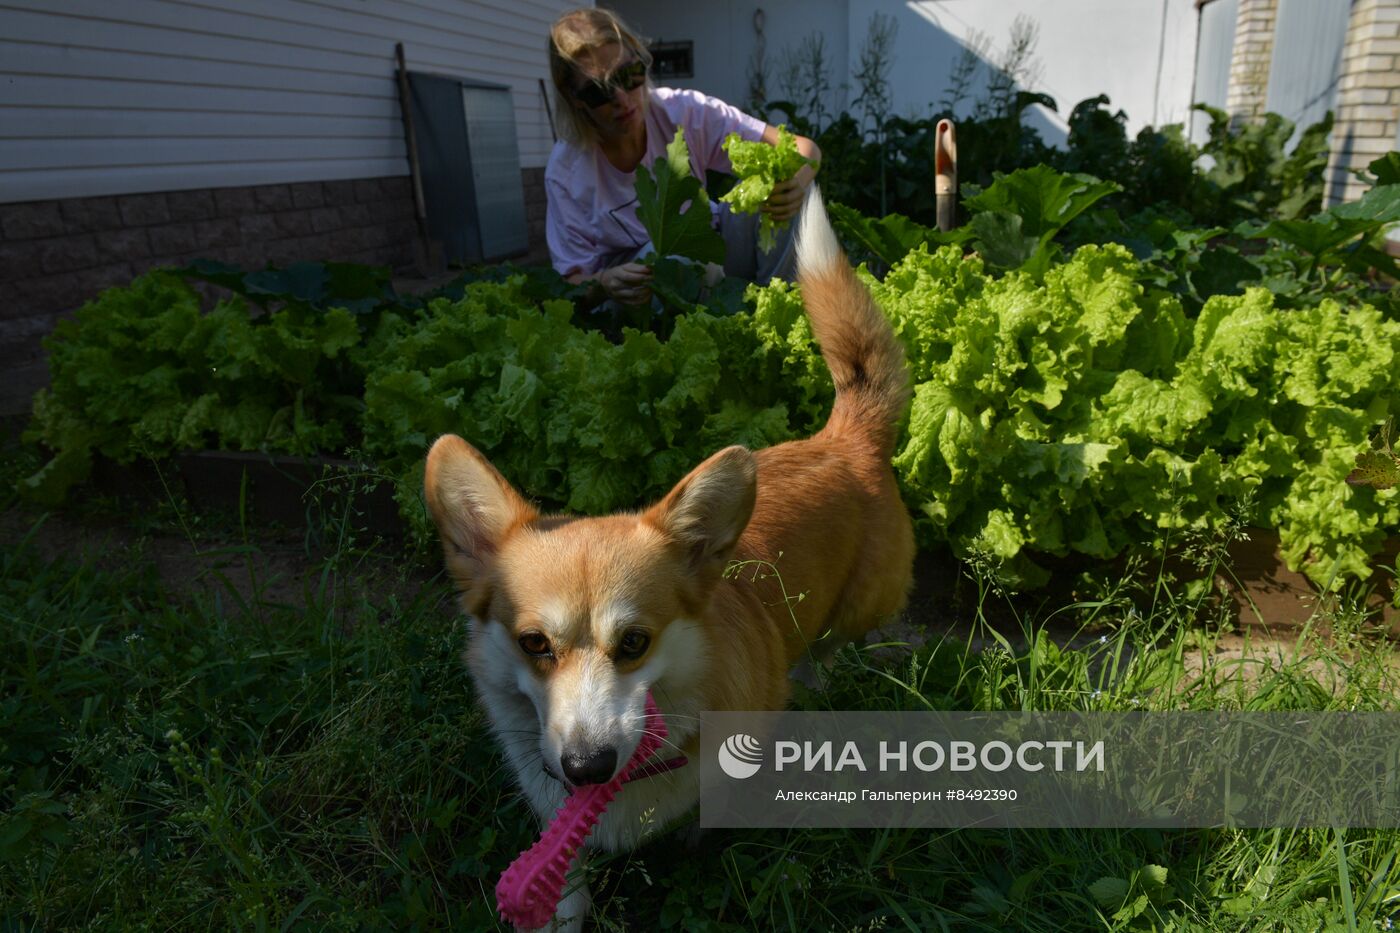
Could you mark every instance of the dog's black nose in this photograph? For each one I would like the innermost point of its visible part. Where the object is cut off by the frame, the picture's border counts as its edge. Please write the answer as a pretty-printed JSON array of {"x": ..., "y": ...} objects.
[{"x": 596, "y": 767}]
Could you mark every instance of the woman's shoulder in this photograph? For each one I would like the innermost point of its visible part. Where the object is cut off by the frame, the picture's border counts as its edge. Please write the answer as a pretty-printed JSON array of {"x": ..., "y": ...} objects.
[
  {"x": 678, "y": 100},
  {"x": 564, "y": 160},
  {"x": 691, "y": 108}
]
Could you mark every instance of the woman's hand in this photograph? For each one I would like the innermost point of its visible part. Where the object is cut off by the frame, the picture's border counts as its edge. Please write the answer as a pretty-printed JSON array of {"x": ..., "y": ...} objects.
[
  {"x": 628, "y": 284},
  {"x": 787, "y": 197}
]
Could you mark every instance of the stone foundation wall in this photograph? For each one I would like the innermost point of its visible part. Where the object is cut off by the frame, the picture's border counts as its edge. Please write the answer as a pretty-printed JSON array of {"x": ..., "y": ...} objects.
[
  {"x": 533, "y": 179},
  {"x": 55, "y": 255}
]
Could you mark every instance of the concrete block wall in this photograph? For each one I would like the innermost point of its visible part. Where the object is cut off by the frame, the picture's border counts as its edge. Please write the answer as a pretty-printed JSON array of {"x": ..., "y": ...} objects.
[
  {"x": 57, "y": 254},
  {"x": 533, "y": 179}
]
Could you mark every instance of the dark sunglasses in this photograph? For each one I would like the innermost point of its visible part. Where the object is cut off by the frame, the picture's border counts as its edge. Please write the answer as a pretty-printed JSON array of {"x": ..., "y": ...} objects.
[{"x": 598, "y": 92}]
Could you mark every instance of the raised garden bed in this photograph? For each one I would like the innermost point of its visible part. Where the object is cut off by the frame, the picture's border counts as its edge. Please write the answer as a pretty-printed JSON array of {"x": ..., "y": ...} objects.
[
  {"x": 1266, "y": 593},
  {"x": 268, "y": 488},
  {"x": 1066, "y": 407},
  {"x": 296, "y": 492}
]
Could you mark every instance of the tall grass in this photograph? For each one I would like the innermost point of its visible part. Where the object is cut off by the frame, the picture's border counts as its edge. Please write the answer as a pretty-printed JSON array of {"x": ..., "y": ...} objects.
[{"x": 178, "y": 760}]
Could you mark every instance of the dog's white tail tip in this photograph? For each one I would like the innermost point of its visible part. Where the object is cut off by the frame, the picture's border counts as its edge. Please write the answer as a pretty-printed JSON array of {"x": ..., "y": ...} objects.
[{"x": 817, "y": 246}]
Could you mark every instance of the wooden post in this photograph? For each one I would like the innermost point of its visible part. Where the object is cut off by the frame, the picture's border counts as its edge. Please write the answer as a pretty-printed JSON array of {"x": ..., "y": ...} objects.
[
  {"x": 429, "y": 256},
  {"x": 945, "y": 178},
  {"x": 548, "y": 111}
]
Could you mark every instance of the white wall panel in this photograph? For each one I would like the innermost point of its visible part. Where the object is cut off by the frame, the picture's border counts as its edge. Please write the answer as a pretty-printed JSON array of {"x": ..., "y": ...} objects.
[
  {"x": 1139, "y": 52},
  {"x": 102, "y": 97}
]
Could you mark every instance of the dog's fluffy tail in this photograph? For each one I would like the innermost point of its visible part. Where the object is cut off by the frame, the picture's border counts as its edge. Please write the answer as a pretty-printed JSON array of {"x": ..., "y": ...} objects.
[{"x": 859, "y": 346}]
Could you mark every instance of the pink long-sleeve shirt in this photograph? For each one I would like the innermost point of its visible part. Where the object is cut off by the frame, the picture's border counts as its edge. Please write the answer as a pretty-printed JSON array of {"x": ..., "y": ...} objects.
[{"x": 591, "y": 221}]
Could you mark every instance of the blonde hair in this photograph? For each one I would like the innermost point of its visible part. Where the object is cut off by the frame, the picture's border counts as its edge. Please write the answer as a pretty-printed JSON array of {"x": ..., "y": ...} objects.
[{"x": 574, "y": 34}]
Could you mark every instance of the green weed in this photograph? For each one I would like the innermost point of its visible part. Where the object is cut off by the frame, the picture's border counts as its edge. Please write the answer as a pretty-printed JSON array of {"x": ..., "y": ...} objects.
[{"x": 172, "y": 760}]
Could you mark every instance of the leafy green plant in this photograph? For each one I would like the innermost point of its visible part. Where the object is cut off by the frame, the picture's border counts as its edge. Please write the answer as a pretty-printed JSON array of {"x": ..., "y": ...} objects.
[
  {"x": 1084, "y": 415},
  {"x": 1075, "y": 413},
  {"x": 1137, "y": 421},
  {"x": 537, "y": 283},
  {"x": 1385, "y": 170},
  {"x": 1014, "y": 223},
  {"x": 1192, "y": 263},
  {"x": 1080, "y": 406},
  {"x": 317, "y": 286},
  {"x": 1378, "y": 468},
  {"x": 142, "y": 371},
  {"x": 1254, "y": 174},
  {"x": 761, "y": 167},
  {"x": 880, "y": 242},
  {"x": 1344, "y": 236},
  {"x": 672, "y": 206},
  {"x": 576, "y": 420},
  {"x": 1098, "y": 141},
  {"x": 675, "y": 210},
  {"x": 1157, "y": 169},
  {"x": 1018, "y": 216}
]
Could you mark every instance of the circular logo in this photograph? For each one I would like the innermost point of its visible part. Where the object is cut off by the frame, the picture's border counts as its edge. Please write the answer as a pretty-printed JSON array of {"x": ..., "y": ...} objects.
[{"x": 740, "y": 756}]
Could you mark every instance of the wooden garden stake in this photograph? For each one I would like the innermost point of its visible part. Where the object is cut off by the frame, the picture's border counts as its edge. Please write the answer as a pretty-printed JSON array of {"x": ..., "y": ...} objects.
[{"x": 945, "y": 179}]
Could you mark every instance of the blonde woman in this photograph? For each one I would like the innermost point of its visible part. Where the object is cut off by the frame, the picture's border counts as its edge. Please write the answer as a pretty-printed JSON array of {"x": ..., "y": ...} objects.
[{"x": 614, "y": 121}]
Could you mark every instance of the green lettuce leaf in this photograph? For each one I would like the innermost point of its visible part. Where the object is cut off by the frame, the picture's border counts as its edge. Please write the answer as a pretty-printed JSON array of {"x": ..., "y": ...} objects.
[{"x": 760, "y": 168}]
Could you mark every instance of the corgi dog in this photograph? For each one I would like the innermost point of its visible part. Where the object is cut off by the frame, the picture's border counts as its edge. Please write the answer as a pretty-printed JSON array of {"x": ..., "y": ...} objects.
[{"x": 574, "y": 620}]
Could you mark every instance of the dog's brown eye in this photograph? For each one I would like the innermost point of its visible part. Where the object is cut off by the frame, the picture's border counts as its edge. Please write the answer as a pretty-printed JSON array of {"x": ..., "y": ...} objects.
[
  {"x": 634, "y": 644},
  {"x": 535, "y": 645}
]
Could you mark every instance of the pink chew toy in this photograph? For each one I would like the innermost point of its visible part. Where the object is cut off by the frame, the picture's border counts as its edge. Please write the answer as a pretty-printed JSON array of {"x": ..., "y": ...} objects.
[{"x": 530, "y": 889}]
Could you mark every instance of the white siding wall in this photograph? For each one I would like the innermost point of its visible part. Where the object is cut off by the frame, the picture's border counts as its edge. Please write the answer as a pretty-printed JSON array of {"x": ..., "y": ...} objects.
[
  {"x": 1139, "y": 52},
  {"x": 724, "y": 37},
  {"x": 123, "y": 96}
]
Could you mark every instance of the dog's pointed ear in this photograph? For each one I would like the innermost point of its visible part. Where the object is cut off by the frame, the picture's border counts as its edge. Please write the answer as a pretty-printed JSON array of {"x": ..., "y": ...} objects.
[
  {"x": 474, "y": 508},
  {"x": 709, "y": 509}
]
